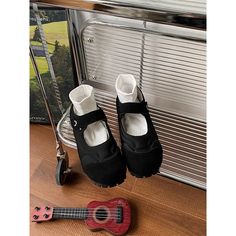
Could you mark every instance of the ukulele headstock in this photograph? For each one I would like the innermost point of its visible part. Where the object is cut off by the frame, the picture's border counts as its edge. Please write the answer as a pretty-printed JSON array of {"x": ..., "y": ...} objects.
[{"x": 42, "y": 214}]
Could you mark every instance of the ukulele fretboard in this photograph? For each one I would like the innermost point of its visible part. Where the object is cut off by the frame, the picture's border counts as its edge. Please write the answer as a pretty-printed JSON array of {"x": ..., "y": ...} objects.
[{"x": 70, "y": 213}]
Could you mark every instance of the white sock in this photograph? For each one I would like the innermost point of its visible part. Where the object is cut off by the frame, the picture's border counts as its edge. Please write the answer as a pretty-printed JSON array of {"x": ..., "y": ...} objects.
[
  {"x": 84, "y": 102},
  {"x": 126, "y": 88}
]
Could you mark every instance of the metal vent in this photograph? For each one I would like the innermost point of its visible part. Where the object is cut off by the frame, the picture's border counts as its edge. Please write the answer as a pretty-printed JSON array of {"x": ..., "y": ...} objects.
[
  {"x": 171, "y": 72},
  {"x": 110, "y": 52}
]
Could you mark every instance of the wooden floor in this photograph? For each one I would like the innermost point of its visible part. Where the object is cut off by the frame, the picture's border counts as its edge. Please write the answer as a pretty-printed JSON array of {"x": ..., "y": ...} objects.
[{"x": 160, "y": 206}]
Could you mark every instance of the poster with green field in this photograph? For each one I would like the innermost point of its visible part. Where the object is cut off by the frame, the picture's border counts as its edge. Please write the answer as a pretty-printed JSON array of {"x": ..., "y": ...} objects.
[{"x": 55, "y": 30}]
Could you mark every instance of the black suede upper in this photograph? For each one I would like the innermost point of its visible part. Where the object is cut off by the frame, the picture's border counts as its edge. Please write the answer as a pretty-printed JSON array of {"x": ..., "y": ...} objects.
[
  {"x": 143, "y": 153},
  {"x": 103, "y": 163}
]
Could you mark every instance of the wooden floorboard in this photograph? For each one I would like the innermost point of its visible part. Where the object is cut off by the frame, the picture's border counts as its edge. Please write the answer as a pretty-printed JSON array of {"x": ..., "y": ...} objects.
[{"x": 160, "y": 206}]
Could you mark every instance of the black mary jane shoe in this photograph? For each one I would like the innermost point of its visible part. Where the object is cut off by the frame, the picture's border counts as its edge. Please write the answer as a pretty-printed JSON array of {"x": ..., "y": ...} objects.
[
  {"x": 143, "y": 153},
  {"x": 103, "y": 163}
]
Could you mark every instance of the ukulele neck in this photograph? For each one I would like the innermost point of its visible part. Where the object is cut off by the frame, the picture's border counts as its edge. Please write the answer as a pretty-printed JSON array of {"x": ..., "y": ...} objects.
[{"x": 70, "y": 213}]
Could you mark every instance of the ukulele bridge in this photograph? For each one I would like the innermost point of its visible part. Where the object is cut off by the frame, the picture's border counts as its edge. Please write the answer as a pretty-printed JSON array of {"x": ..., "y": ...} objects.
[{"x": 119, "y": 219}]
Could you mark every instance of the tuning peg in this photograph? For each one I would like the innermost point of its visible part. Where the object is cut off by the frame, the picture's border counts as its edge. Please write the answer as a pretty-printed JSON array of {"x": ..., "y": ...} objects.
[
  {"x": 47, "y": 208},
  {"x": 37, "y": 208},
  {"x": 35, "y": 217},
  {"x": 45, "y": 216}
]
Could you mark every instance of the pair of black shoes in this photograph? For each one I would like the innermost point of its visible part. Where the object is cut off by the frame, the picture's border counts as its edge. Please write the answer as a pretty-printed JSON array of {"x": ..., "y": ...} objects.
[{"x": 105, "y": 164}]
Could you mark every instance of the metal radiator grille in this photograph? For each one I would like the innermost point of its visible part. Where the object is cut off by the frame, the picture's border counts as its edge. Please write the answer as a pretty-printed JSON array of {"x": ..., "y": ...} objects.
[
  {"x": 171, "y": 73},
  {"x": 104, "y": 48},
  {"x": 167, "y": 68},
  {"x": 174, "y": 71}
]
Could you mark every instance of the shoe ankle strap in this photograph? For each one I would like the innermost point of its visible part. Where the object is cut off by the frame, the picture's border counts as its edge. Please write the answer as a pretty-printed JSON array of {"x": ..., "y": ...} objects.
[
  {"x": 81, "y": 122},
  {"x": 131, "y": 107}
]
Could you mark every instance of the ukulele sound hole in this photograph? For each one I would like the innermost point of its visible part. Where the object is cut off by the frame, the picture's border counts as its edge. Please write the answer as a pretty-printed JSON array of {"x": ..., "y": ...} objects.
[{"x": 101, "y": 214}]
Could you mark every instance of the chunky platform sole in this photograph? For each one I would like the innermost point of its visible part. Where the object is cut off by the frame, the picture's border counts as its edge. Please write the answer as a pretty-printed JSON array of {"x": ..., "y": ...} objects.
[
  {"x": 145, "y": 176},
  {"x": 111, "y": 185}
]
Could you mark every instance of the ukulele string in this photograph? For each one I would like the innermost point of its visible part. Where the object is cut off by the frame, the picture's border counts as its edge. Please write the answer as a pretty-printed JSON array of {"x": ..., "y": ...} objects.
[
  {"x": 90, "y": 210},
  {"x": 88, "y": 215},
  {"x": 73, "y": 211},
  {"x": 80, "y": 209},
  {"x": 101, "y": 215}
]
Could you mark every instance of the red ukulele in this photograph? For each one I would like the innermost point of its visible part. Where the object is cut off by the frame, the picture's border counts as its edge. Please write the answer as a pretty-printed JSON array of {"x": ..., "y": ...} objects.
[{"x": 113, "y": 216}]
